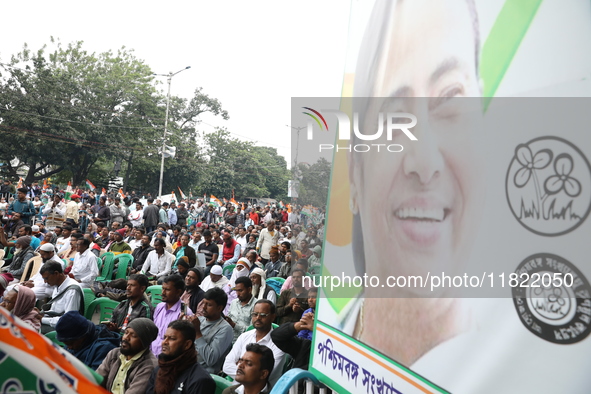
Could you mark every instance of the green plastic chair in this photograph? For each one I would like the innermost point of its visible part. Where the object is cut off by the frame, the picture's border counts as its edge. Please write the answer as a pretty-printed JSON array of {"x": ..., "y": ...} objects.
[
  {"x": 52, "y": 335},
  {"x": 220, "y": 384},
  {"x": 155, "y": 294},
  {"x": 228, "y": 269},
  {"x": 99, "y": 263},
  {"x": 89, "y": 296},
  {"x": 123, "y": 261},
  {"x": 107, "y": 271},
  {"x": 105, "y": 307}
]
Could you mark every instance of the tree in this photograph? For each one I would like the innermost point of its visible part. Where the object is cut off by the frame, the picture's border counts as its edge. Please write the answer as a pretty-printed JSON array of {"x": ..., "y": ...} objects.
[
  {"x": 68, "y": 108},
  {"x": 314, "y": 183}
]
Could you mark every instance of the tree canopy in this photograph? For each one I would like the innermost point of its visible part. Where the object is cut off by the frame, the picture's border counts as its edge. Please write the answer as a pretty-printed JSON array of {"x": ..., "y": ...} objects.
[{"x": 70, "y": 114}]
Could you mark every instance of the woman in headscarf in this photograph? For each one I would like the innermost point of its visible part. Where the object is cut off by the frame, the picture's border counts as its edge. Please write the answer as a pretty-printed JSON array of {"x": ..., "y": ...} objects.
[
  {"x": 21, "y": 302},
  {"x": 242, "y": 269},
  {"x": 259, "y": 286}
]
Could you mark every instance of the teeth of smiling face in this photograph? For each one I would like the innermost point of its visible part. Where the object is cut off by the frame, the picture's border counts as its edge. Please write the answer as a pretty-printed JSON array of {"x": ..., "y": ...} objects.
[{"x": 437, "y": 214}]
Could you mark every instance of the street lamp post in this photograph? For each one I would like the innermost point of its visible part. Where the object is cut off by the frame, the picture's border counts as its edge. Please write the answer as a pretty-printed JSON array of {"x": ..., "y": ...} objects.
[{"x": 169, "y": 79}]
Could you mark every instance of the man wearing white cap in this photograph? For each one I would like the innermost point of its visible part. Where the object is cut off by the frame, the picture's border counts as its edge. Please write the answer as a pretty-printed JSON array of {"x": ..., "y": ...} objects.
[
  {"x": 215, "y": 279},
  {"x": 43, "y": 290}
]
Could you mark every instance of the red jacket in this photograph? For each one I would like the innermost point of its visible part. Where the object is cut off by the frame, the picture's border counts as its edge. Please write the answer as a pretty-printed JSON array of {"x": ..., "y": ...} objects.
[{"x": 228, "y": 252}]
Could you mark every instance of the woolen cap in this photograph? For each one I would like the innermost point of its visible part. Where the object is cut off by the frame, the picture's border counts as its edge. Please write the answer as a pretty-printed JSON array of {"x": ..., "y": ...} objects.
[
  {"x": 72, "y": 325},
  {"x": 145, "y": 329}
]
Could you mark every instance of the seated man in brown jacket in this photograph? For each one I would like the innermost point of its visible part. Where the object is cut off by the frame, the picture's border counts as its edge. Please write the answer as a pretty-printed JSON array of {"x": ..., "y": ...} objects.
[{"x": 127, "y": 369}]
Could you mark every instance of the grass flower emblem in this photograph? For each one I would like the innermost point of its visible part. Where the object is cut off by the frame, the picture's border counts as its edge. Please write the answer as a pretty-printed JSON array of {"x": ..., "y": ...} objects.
[
  {"x": 563, "y": 167},
  {"x": 530, "y": 163}
]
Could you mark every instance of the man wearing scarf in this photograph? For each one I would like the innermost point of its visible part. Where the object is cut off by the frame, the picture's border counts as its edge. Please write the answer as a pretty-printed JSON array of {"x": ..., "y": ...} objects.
[
  {"x": 22, "y": 253},
  {"x": 242, "y": 269},
  {"x": 260, "y": 290},
  {"x": 178, "y": 370}
]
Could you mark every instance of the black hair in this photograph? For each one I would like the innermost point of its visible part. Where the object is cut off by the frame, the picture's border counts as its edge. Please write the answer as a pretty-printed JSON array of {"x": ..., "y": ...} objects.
[
  {"x": 272, "y": 306},
  {"x": 177, "y": 281},
  {"x": 51, "y": 267},
  {"x": 141, "y": 279},
  {"x": 245, "y": 280},
  {"x": 267, "y": 358},
  {"x": 197, "y": 272},
  {"x": 67, "y": 227},
  {"x": 160, "y": 241},
  {"x": 286, "y": 243},
  {"x": 186, "y": 329},
  {"x": 303, "y": 262},
  {"x": 216, "y": 295},
  {"x": 206, "y": 233}
]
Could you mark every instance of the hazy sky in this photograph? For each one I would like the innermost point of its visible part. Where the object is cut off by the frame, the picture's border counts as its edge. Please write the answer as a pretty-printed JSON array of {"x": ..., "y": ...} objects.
[{"x": 252, "y": 56}]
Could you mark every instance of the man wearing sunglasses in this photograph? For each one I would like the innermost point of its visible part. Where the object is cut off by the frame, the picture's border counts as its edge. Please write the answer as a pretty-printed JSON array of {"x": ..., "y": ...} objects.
[{"x": 263, "y": 315}]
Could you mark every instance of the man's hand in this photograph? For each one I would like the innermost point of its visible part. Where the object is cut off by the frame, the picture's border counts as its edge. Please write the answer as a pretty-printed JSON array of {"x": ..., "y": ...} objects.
[
  {"x": 292, "y": 302},
  {"x": 230, "y": 321},
  {"x": 196, "y": 323},
  {"x": 305, "y": 323},
  {"x": 297, "y": 307},
  {"x": 28, "y": 283},
  {"x": 111, "y": 326}
]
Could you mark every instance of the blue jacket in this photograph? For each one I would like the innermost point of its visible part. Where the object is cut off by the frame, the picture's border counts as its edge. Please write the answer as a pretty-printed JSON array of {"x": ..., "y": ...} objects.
[
  {"x": 26, "y": 209},
  {"x": 97, "y": 346}
]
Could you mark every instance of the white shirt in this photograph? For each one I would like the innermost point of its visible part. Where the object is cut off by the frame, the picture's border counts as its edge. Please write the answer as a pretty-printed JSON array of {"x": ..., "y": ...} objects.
[
  {"x": 136, "y": 218},
  {"x": 136, "y": 243},
  {"x": 42, "y": 289},
  {"x": 69, "y": 302},
  {"x": 239, "y": 349},
  {"x": 62, "y": 244},
  {"x": 158, "y": 265},
  {"x": 85, "y": 268},
  {"x": 195, "y": 245},
  {"x": 242, "y": 241}
]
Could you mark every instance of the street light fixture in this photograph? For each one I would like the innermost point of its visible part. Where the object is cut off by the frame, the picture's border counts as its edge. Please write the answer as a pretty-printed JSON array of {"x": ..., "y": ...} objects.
[{"x": 169, "y": 79}]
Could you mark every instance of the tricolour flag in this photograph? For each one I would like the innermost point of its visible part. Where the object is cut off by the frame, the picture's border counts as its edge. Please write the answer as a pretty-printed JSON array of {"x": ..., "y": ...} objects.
[
  {"x": 90, "y": 185},
  {"x": 69, "y": 191},
  {"x": 120, "y": 193},
  {"x": 182, "y": 194},
  {"x": 20, "y": 182},
  {"x": 45, "y": 184},
  {"x": 214, "y": 199}
]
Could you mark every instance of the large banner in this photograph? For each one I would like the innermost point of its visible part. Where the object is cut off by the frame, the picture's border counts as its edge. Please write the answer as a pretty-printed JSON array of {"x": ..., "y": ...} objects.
[{"x": 457, "y": 245}]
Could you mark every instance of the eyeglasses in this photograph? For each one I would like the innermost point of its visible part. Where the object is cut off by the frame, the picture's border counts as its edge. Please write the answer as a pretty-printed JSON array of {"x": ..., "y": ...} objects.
[{"x": 256, "y": 314}]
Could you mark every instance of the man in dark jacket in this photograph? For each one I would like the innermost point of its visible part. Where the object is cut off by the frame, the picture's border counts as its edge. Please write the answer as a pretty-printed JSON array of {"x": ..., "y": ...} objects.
[
  {"x": 178, "y": 370},
  {"x": 151, "y": 216},
  {"x": 87, "y": 342},
  {"x": 285, "y": 338},
  {"x": 135, "y": 349},
  {"x": 182, "y": 214},
  {"x": 141, "y": 253},
  {"x": 137, "y": 305},
  {"x": 23, "y": 252}
]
